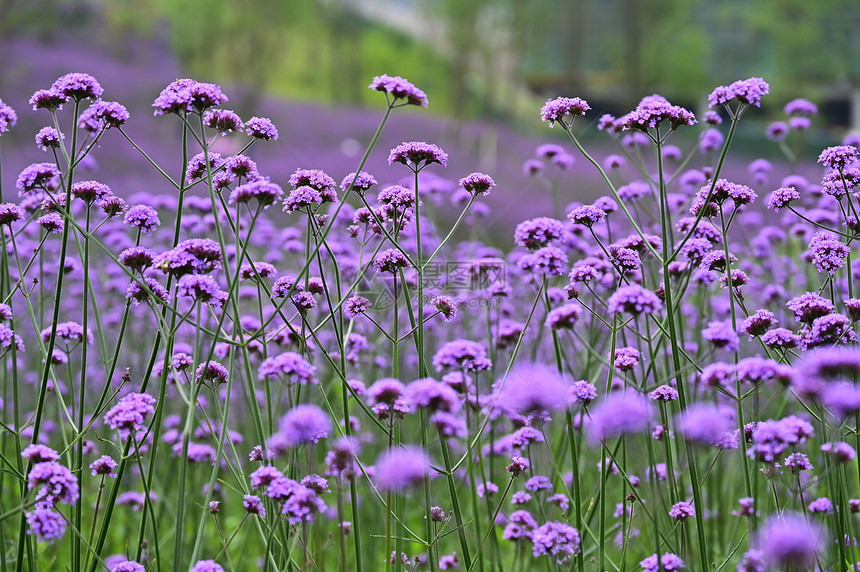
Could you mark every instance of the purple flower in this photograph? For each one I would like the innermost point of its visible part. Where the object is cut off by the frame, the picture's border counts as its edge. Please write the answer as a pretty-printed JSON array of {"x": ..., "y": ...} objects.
[
  {"x": 207, "y": 566},
  {"x": 533, "y": 388},
  {"x": 254, "y": 505},
  {"x": 478, "y": 183},
  {"x": 127, "y": 566},
  {"x": 802, "y": 107},
  {"x": 266, "y": 193},
  {"x": 37, "y": 175},
  {"x": 653, "y": 110},
  {"x": 130, "y": 412},
  {"x": 538, "y": 232},
  {"x": 702, "y": 423},
  {"x": 546, "y": 261},
  {"x": 303, "y": 424},
  {"x": 46, "y": 524},
  {"x": 797, "y": 462},
  {"x": 261, "y": 128},
  {"x": 142, "y": 217},
  {"x": 626, "y": 359},
  {"x": 722, "y": 335},
  {"x": 8, "y": 117},
  {"x": 55, "y": 483},
  {"x": 789, "y": 541},
  {"x": 38, "y": 453},
  {"x": 399, "y": 88},
  {"x": 682, "y": 511},
  {"x": 838, "y": 157},
  {"x": 77, "y": 86},
  {"x": 557, "y": 109},
  {"x": 201, "y": 288},
  {"x": 402, "y": 467},
  {"x": 828, "y": 252},
  {"x": 461, "y": 355},
  {"x": 821, "y": 505},
  {"x": 69, "y": 333},
  {"x": 619, "y": 413},
  {"x": 435, "y": 396},
  {"x": 748, "y": 91},
  {"x": 635, "y": 300},
  {"x": 9, "y": 213},
  {"x": 668, "y": 562},
  {"x": 518, "y": 465},
  {"x": 841, "y": 451},
  {"x": 758, "y": 323},
  {"x": 587, "y": 215},
  {"x": 290, "y": 365},
  {"x": 564, "y": 317},
  {"x": 809, "y": 306},
  {"x": 664, "y": 393},
  {"x": 581, "y": 392},
  {"x": 391, "y": 260},
  {"x": 417, "y": 155},
  {"x": 48, "y": 138},
  {"x": 223, "y": 121},
  {"x": 556, "y": 539},
  {"x": 104, "y": 465},
  {"x": 108, "y": 114}
]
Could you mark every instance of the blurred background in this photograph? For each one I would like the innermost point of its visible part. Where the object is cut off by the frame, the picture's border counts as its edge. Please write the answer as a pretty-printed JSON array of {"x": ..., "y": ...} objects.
[{"x": 486, "y": 65}]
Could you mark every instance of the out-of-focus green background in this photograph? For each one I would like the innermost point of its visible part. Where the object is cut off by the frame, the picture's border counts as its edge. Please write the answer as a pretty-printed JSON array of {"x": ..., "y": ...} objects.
[{"x": 488, "y": 58}]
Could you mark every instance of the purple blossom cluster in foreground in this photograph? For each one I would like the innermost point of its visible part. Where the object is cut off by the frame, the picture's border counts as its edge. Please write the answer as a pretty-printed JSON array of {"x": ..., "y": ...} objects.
[{"x": 662, "y": 379}]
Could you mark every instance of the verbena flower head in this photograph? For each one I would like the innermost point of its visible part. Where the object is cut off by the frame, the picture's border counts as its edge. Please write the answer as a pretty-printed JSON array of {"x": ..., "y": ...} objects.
[
  {"x": 478, "y": 183},
  {"x": 399, "y": 88},
  {"x": 747, "y": 91},
  {"x": 538, "y": 232},
  {"x": 461, "y": 355},
  {"x": 223, "y": 121},
  {"x": 360, "y": 182},
  {"x": 53, "y": 483},
  {"x": 828, "y": 252},
  {"x": 104, "y": 466},
  {"x": 669, "y": 562},
  {"x": 416, "y": 155},
  {"x": 46, "y": 524},
  {"x": 261, "y": 128},
  {"x": 433, "y": 395},
  {"x": 108, "y": 114},
  {"x": 9, "y": 213},
  {"x": 682, "y": 511},
  {"x": 556, "y": 539},
  {"x": 782, "y": 197},
  {"x": 702, "y": 423},
  {"x": 587, "y": 215},
  {"x": 839, "y": 157},
  {"x": 402, "y": 467},
  {"x": 800, "y": 107},
  {"x": 533, "y": 388},
  {"x": 48, "y": 138},
  {"x": 130, "y": 413},
  {"x": 626, "y": 359},
  {"x": 634, "y": 300},
  {"x": 77, "y": 86},
  {"x": 564, "y": 317},
  {"x": 546, "y": 261},
  {"x": 618, "y": 414},
  {"x": 391, "y": 260},
  {"x": 8, "y": 117},
  {"x": 557, "y": 109},
  {"x": 304, "y": 424},
  {"x": 207, "y": 566},
  {"x": 289, "y": 365},
  {"x": 143, "y": 217},
  {"x": 49, "y": 99},
  {"x": 655, "y": 109},
  {"x": 789, "y": 541},
  {"x": 127, "y": 566},
  {"x": 37, "y": 176},
  {"x": 264, "y": 191},
  {"x": 38, "y": 453}
]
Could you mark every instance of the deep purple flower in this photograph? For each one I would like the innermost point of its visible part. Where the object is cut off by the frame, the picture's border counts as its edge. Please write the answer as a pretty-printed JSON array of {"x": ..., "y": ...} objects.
[
  {"x": 54, "y": 483},
  {"x": 303, "y": 424},
  {"x": 399, "y": 88},
  {"x": 702, "y": 423},
  {"x": 538, "y": 232},
  {"x": 682, "y": 511},
  {"x": 77, "y": 86},
  {"x": 433, "y": 395},
  {"x": 37, "y": 175},
  {"x": 90, "y": 191},
  {"x": 653, "y": 110},
  {"x": 130, "y": 413},
  {"x": 104, "y": 465},
  {"x": 664, "y": 393},
  {"x": 207, "y": 566},
  {"x": 758, "y": 323},
  {"x": 841, "y": 451},
  {"x": 635, "y": 300},
  {"x": 201, "y": 288},
  {"x": 108, "y": 114},
  {"x": 564, "y": 317},
  {"x": 789, "y": 541},
  {"x": 545, "y": 261},
  {"x": 291, "y": 366},
  {"x": 38, "y": 453},
  {"x": 587, "y": 215},
  {"x": 801, "y": 107},
  {"x": 127, "y": 566},
  {"x": 722, "y": 335},
  {"x": 391, "y": 260},
  {"x": 143, "y": 217},
  {"x": 556, "y": 539},
  {"x": 669, "y": 562},
  {"x": 839, "y": 157},
  {"x": 533, "y": 388},
  {"x": 223, "y": 121},
  {"x": 48, "y": 138},
  {"x": 461, "y": 355},
  {"x": 254, "y": 505},
  {"x": 821, "y": 505},
  {"x": 828, "y": 252},
  {"x": 401, "y": 467},
  {"x": 46, "y": 524},
  {"x": 618, "y": 414},
  {"x": 8, "y": 117},
  {"x": 809, "y": 306},
  {"x": 261, "y": 128},
  {"x": 417, "y": 155},
  {"x": 478, "y": 183},
  {"x": 748, "y": 91},
  {"x": 557, "y": 109}
]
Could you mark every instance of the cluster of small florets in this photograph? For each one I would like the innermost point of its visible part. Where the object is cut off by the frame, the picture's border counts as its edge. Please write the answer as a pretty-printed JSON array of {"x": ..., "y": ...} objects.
[
  {"x": 557, "y": 109},
  {"x": 655, "y": 109},
  {"x": 747, "y": 91}
]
